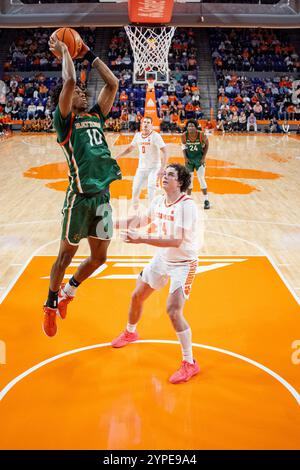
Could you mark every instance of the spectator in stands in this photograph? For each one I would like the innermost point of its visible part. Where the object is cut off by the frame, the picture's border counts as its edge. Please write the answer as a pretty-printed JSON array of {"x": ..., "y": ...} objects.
[
  {"x": 235, "y": 122},
  {"x": 40, "y": 111},
  {"x": 258, "y": 110},
  {"x": 274, "y": 126},
  {"x": 242, "y": 122},
  {"x": 285, "y": 127},
  {"x": 164, "y": 99},
  {"x": 31, "y": 110},
  {"x": 251, "y": 122},
  {"x": 132, "y": 121},
  {"x": 165, "y": 122}
]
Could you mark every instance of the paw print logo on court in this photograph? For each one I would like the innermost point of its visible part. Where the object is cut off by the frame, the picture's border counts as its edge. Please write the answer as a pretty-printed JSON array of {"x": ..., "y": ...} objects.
[{"x": 223, "y": 177}]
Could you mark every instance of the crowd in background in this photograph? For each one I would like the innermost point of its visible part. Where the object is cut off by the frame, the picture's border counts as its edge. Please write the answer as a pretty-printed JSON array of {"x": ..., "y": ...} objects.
[
  {"x": 242, "y": 100},
  {"x": 29, "y": 50},
  {"x": 256, "y": 49}
]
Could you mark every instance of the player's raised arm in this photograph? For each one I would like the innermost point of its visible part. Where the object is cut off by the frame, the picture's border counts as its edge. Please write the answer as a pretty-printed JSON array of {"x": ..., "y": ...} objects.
[
  {"x": 68, "y": 75},
  {"x": 108, "y": 93}
]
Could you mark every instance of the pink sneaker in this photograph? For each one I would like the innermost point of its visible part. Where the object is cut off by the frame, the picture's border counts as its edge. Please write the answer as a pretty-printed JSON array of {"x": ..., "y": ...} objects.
[
  {"x": 185, "y": 373},
  {"x": 124, "y": 339},
  {"x": 63, "y": 301}
]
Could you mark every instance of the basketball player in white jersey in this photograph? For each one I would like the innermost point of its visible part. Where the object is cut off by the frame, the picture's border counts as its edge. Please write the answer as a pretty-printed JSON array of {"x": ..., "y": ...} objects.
[
  {"x": 175, "y": 216},
  {"x": 151, "y": 165}
]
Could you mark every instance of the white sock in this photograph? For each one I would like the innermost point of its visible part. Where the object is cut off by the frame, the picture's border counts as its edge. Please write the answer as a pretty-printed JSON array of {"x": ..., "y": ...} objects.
[
  {"x": 131, "y": 328},
  {"x": 206, "y": 197},
  {"x": 185, "y": 339},
  {"x": 70, "y": 290}
]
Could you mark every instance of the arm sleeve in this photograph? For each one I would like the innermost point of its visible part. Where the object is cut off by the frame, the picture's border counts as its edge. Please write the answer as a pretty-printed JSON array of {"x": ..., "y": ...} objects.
[{"x": 61, "y": 125}]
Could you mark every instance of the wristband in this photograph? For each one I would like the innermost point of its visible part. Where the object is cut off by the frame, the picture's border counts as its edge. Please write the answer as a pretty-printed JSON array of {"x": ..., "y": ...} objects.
[{"x": 90, "y": 56}]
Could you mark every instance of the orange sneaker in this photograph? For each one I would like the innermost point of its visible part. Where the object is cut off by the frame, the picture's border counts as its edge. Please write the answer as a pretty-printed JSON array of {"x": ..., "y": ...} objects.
[
  {"x": 185, "y": 373},
  {"x": 124, "y": 339},
  {"x": 49, "y": 324},
  {"x": 63, "y": 301}
]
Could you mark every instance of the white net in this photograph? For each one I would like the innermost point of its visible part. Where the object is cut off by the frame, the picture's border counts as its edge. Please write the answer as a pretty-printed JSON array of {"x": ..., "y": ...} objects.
[{"x": 150, "y": 48}]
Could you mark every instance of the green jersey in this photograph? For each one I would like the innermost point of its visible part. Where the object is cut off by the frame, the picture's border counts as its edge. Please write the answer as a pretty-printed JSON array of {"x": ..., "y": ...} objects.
[
  {"x": 195, "y": 148},
  {"x": 91, "y": 166}
]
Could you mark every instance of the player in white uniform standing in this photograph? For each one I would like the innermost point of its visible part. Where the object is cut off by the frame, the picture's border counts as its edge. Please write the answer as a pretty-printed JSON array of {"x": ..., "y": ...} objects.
[
  {"x": 151, "y": 165},
  {"x": 175, "y": 216}
]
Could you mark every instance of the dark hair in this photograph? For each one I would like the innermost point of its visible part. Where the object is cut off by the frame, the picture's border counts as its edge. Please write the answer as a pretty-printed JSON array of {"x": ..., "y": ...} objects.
[
  {"x": 184, "y": 176},
  {"x": 55, "y": 95},
  {"x": 194, "y": 122},
  {"x": 57, "y": 91}
]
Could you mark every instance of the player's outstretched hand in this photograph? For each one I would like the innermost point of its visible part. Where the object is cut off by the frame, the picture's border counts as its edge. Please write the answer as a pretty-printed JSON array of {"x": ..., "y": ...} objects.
[
  {"x": 130, "y": 236},
  {"x": 57, "y": 46}
]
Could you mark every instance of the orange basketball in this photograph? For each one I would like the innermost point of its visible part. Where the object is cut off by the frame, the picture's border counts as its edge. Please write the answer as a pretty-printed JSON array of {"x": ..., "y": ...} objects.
[{"x": 71, "y": 38}]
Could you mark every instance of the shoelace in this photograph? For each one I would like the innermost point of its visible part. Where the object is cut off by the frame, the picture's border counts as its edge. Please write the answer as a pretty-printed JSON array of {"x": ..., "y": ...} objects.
[{"x": 127, "y": 334}]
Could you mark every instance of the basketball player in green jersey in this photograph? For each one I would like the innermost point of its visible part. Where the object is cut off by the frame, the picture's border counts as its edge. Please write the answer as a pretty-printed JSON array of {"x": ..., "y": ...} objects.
[
  {"x": 86, "y": 210},
  {"x": 195, "y": 147}
]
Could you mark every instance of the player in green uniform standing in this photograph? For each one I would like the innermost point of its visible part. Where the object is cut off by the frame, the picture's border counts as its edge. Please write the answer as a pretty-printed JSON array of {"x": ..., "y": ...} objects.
[
  {"x": 86, "y": 210},
  {"x": 195, "y": 147}
]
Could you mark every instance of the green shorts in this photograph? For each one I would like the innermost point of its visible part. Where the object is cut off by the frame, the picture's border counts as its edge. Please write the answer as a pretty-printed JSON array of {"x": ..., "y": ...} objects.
[
  {"x": 86, "y": 217},
  {"x": 192, "y": 165}
]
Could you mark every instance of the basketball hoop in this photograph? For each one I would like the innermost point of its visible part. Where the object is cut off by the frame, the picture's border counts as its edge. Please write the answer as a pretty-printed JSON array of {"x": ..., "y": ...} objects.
[{"x": 150, "y": 48}]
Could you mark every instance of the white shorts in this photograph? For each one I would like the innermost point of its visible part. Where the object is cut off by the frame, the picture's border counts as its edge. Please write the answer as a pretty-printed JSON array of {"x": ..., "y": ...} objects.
[
  {"x": 158, "y": 272},
  {"x": 142, "y": 178}
]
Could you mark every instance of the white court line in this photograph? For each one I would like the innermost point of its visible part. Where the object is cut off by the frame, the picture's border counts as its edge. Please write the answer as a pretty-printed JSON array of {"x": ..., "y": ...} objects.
[
  {"x": 17, "y": 379},
  {"x": 29, "y": 222},
  {"x": 14, "y": 280},
  {"x": 266, "y": 254},
  {"x": 208, "y": 219}
]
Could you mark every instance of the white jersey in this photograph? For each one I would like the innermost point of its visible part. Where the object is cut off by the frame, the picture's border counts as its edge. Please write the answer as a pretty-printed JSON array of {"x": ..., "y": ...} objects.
[
  {"x": 169, "y": 220},
  {"x": 149, "y": 149}
]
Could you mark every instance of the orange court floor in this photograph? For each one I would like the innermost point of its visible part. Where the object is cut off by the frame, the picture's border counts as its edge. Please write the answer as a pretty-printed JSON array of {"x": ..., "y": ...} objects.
[{"x": 74, "y": 391}]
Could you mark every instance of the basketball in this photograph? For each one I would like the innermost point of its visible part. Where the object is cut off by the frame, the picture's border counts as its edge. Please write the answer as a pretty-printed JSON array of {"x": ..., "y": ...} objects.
[{"x": 71, "y": 38}]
